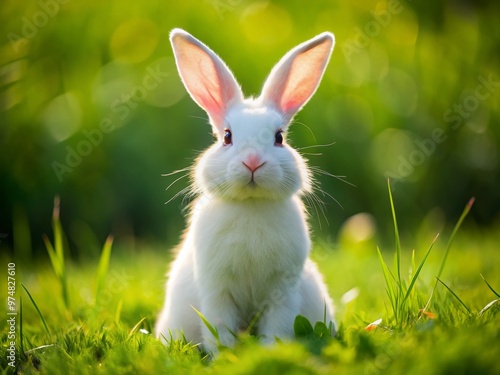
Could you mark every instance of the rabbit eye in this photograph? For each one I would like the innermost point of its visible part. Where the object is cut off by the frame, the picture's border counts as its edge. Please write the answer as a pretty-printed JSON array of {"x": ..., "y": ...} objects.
[
  {"x": 228, "y": 137},
  {"x": 278, "y": 138}
]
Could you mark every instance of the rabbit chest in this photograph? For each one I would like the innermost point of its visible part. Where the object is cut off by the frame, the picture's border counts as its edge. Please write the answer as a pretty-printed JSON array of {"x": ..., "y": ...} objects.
[{"x": 248, "y": 247}]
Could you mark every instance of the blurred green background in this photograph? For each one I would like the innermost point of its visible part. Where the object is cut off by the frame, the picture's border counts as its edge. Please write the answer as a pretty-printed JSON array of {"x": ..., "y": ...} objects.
[{"x": 92, "y": 110}]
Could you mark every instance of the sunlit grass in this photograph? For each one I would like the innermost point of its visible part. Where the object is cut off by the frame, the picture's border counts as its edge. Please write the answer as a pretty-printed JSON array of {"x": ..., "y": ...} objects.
[
  {"x": 108, "y": 326},
  {"x": 57, "y": 254},
  {"x": 398, "y": 290}
]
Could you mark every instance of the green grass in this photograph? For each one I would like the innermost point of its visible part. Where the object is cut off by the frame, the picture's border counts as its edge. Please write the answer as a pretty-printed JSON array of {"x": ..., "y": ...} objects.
[
  {"x": 442, "y": 318},
  {"x": 400, "y": 292}
]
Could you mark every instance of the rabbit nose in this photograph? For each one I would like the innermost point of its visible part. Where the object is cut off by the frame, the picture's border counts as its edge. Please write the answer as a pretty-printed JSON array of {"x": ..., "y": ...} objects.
[{"x": 253, "y": 162}]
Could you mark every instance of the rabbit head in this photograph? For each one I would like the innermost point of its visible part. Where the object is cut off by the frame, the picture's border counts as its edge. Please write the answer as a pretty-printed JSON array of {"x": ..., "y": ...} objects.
[{"x": 251, "y": 158}]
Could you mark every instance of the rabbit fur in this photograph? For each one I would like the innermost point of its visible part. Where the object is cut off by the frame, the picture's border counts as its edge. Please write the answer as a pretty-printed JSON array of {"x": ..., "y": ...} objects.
[{"x": 243, "y": 262}]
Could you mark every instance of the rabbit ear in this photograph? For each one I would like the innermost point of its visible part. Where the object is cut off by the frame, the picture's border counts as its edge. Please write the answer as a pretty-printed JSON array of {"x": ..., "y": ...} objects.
[
  {"x": 295, "y": 78},
  {"x": 205, "y": 76}
]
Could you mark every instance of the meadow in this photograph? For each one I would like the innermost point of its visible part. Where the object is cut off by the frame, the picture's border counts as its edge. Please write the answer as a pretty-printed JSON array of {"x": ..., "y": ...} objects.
[{"x": 432, "y": 310}]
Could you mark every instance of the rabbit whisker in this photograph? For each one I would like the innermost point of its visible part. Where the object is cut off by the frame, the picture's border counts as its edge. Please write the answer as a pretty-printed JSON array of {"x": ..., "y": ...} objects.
[
  {"x": 313, "y": 146},
  {"x": 187, "y": 169},
  {"x": 182, "y": 192},
  {"x": 319, "y": 206},
  {"x": 176, "y": 180},
  {"x": 307, "y": 127},
  {"x": 312, "y": 153},
  {"x": 325, "y": 173}
]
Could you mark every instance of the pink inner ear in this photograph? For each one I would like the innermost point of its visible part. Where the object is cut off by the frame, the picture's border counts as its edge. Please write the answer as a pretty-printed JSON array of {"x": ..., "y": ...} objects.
[
  {"x": 292, "y": 104},
  {"x": 214, "y": 110},
  {"x": 202, "y": 80},
  {"x": 304, "y": 76},
  {"x": 296, "y": 77},
  {"x": 207, "y": 79}
]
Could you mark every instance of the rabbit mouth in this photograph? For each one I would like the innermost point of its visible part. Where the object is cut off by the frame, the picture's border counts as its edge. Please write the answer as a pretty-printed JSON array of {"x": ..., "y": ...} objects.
[
  {"x": 252, "y": 188},
  {"x": 256, "y": 188},
  {"x": 260, "y": 188},
  {"x": 252, "y": 184}
]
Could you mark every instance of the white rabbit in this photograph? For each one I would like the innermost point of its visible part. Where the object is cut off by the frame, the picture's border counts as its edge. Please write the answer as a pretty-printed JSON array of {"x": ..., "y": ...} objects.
[{"x": 244, "y": 257}]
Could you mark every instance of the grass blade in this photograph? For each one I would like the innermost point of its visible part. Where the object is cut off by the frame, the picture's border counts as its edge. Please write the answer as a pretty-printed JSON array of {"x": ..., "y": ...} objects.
[
  {"x": 417, "y": 272},
  {"x": 56, "y": 226},
  {"x": 102, "y": 268},
  {"x": 454, "y": 295},
  {"x": 54, "y": 260},
  {"x": 489, "y": 306},
  {"x": 387, "y": 273},
  {"x": 118, "y": 312},
  {"x": 56, "y": 253},
  {"x": 464, "y": 214},
  {"x": 388, "y": 281},
  {"x": 59, "y": 249},
  {"x": 132, "y": 331},
  {"x": 37, "y": 310},
  {"x": 213, "y": 330},
  {"x": 412, "y": 269},
  {"x": 491, "y": 288},
  {"x": 396, "y": 234},
  {"x": 41, "y": 348}
]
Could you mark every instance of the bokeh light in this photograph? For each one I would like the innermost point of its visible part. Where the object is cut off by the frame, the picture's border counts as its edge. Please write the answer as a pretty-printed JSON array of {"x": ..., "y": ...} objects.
[
  {"x": 411, "y": 93},
  {"x": 134, "y": 40},
  {"x": 62, "y": 116},
  {"x": 266, "y": 23}
]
